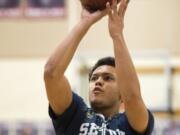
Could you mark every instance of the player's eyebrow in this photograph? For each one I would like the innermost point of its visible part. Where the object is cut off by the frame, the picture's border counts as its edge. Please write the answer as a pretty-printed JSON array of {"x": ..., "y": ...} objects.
[{"x": 102, "y": 74}]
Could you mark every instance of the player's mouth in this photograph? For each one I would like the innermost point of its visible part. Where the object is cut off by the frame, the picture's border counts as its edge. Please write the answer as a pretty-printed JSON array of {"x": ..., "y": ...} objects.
[{"x": 98, "y": 90}]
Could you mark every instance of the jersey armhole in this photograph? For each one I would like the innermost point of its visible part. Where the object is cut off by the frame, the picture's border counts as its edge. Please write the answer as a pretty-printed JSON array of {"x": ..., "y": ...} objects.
[
  {"x": 73, "y": 113},
  {"x": 150, "y": 125}
]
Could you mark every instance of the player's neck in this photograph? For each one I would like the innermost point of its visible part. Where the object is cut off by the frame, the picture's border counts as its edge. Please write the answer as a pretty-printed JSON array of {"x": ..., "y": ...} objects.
[{"x": 108, "y": 112}]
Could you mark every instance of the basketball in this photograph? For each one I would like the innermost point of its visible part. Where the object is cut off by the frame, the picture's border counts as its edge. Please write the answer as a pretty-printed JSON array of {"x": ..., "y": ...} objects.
[{"x": 94, "y": 5}]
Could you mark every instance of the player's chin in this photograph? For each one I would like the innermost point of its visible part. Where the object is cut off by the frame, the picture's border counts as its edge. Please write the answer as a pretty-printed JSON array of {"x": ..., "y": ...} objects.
[
  {"x": 96, "y": 101},
  {"x": 96, "y": 104},
  {"x": 95, "y": 97}
]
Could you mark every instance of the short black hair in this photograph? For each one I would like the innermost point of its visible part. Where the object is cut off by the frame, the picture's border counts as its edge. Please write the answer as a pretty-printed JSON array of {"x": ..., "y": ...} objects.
[{"x": 110, "y": 61}]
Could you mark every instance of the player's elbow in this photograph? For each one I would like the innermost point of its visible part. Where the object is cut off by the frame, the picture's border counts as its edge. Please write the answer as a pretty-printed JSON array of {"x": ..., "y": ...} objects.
[{"x": 49, "y": 71}]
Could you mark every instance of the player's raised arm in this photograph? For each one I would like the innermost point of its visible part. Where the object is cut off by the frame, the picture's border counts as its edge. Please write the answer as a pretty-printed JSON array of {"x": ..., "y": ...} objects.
[
  {"x": 127, "y": 78},
  {"x": 57, "y": 86}
]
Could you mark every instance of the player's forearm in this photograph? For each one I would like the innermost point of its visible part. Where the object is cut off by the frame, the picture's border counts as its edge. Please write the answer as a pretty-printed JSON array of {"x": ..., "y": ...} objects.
[
  {"x": 129, "y": 87},
  {"x": 127, "y": 77},
  {"x": 60, "y": 59}
]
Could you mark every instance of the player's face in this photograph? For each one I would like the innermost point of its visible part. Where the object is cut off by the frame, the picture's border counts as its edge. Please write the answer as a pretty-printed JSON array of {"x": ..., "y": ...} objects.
[{"x": 103, "y": 89}]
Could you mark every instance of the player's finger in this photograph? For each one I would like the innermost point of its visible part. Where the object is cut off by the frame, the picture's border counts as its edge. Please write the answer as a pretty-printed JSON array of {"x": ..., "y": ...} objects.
[
  {"x": 108, "y": 7},
  {"x": 125, "y": 7},
  {"x": 120, "y": 9},
  {"x": 114, "y": 6}
]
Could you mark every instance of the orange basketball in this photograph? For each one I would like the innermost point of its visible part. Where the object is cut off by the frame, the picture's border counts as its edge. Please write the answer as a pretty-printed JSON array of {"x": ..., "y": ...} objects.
[{"x": 94, "y": 5}]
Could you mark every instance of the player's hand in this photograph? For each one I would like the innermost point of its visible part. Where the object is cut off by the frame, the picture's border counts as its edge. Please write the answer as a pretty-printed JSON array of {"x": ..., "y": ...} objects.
[
  {"x": 91, "y": 18},
  {"x": 116, "y": 17}
]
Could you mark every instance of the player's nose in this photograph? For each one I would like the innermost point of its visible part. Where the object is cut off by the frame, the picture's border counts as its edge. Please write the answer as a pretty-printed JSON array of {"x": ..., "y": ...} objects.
[{"x": 99, "y": 81}]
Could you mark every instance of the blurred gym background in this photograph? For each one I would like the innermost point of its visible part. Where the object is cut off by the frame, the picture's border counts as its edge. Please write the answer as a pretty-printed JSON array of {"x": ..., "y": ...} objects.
[{"x": 31, "y": 29}]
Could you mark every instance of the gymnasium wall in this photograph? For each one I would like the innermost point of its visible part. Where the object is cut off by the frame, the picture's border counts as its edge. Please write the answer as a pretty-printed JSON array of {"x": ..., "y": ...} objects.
[{"x": 152, "y": 35}]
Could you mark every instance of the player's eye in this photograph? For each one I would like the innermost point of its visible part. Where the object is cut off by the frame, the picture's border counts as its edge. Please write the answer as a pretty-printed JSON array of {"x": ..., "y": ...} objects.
[
  {"x": 93, "y": 78},
  {"x": 108, "y": 78}
]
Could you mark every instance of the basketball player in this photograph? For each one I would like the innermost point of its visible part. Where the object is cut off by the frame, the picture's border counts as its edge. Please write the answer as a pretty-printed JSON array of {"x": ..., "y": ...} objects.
[{"x": 111, "y": 81}]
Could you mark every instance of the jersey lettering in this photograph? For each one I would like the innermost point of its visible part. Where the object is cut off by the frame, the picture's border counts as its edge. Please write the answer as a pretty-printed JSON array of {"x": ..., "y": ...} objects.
[
  {"x": 84, "y": 129},
  {"x": 93, "y": 129}
]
